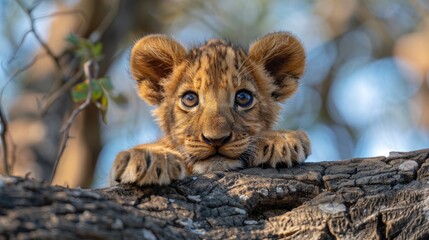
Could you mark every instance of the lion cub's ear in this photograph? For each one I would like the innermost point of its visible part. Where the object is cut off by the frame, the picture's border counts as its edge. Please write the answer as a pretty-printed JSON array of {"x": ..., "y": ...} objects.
[
  {"x": 152, "y": 59},
  {"x": 283, "y": 58}
]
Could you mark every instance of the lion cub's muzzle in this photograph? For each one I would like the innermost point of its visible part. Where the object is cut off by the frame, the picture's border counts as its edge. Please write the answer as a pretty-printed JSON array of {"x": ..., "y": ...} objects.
[
  {"x": 217, "y": 142},
  {"x": 229, "y": 146},
  {"x": 218, "y": 154}
]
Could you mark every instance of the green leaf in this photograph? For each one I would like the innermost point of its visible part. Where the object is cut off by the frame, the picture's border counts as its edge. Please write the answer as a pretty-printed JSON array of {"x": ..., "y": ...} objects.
[
  {"x": 80, "y": 92},
  {"x": 97, "y": 49},
  {"x": 81, "y": 52},
  {"x": 103, "y": 108},
  {"x": 106, "y": 84},
  {"x": 73, "y": 39},
  {"x": 120, "y": 99},
  {"x": 97, "y": 92}
]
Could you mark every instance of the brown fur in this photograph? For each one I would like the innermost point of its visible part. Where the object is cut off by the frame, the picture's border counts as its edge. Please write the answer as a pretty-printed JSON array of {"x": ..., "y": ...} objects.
[{"x": 215, "y": 71}]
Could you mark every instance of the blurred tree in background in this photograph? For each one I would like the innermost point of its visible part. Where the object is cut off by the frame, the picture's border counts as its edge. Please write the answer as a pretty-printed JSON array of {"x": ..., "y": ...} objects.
[{"x": 365, "y": 91}]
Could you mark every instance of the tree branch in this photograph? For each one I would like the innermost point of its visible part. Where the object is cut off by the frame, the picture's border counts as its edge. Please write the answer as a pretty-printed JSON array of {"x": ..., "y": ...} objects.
[
  {"x": 39, "y": 39},
  {"x": 60, "y": 92},
  {"x": 21, "y": 42},
  {"x": 3, "y": 120},
  {"x": 367, "y": 198},
  {"x": 91, "y": 71},
  {"x": 62, "y": 13},
  {"x": 3, "y": 132}
]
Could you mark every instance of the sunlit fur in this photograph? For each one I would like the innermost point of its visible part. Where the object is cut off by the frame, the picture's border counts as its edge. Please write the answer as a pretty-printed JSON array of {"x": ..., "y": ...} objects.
[{"x": 216, "y": 71}]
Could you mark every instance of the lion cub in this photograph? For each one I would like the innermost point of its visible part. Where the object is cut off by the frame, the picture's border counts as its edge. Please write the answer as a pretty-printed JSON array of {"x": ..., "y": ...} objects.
[{"x": 216, "y": 105}]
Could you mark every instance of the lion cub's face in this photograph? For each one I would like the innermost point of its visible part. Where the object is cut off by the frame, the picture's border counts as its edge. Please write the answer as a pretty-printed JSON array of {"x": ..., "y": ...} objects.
[{"x": 214, "y": 99}]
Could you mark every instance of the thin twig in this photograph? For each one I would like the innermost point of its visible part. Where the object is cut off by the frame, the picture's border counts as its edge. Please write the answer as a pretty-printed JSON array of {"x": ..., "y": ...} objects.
[
  {"x": 95, "y": 36},
  {"x": 3, "y": 132},
  {"x": 19, "y": 71},
  {"x": 35, "y": 4},
  {"x": 66, "y": 128},
  {"x": 106, "y": 21},
  {"x": 13, "y": 153},
  {"x": 55, "y": 58},
  {"x": 3, "y": 120},
  {"x": 21, "y": 42},
  {"x": 62, "y": 13},
  {"x": 31, "y": 30},
  {"x": 60, "y": 92},
  {"x": 38, "y": 37}
]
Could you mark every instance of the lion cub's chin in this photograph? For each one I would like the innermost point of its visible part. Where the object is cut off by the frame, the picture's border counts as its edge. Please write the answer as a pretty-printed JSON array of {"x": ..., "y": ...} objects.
[{"x": 217, "y": 164}]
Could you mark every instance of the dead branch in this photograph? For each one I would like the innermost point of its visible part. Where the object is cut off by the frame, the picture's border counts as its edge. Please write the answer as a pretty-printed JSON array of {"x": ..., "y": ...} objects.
[
  {"x": 21, "y": 42},
  {"x": 91, "y": 71},
  {"x": 106, "y": 22},
  {"x": 62, "y": 13},
  {"x": 55, "y": 58},
  {"x": 48, "y": 50},
  {"x": 367, "y": 198},
  {"x": 3, "y": 121},
  {"x": 60, "y": 92},
  {"x": 3, "y": 132},
  {"x": 66, "y": 75}
]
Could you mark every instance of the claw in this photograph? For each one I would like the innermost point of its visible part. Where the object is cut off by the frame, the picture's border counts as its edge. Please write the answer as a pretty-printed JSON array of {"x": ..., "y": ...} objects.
[{"x": 143, "y": 166}]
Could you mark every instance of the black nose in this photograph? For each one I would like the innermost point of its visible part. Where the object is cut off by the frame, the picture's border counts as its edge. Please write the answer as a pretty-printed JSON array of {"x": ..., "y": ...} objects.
[{"x": 217, "y": 142}]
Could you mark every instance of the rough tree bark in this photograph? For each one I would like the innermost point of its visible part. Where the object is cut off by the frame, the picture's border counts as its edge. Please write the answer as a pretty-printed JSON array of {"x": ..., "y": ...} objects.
[{"x": 368, "y": 198}]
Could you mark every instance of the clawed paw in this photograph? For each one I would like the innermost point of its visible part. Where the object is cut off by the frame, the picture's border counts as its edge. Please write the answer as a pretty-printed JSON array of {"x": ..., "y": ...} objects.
[
  {"x": 146, "y": 167},
  {"x": 278, "y": 148}
]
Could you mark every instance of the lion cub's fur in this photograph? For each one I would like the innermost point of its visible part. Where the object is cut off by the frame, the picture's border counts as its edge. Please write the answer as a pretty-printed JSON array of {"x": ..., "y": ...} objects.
[{"x": 215, "y": 72}]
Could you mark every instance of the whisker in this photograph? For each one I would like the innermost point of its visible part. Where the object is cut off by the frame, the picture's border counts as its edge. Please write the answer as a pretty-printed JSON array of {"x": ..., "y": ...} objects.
[
  {"x": 241, "y": 71},
  {"x": 244, "y": 71}
]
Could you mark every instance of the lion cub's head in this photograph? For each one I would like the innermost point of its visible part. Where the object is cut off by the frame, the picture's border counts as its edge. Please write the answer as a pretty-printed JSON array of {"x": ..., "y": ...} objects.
[{"x": 213, "y": 99}]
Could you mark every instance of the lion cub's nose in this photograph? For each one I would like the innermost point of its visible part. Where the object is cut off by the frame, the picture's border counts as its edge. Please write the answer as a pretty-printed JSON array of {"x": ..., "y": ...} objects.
[{"x": 217, "y": 142}]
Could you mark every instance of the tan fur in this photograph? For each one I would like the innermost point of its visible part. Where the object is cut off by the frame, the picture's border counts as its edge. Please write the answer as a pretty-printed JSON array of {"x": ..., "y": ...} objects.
[{"x": 217, "y": 134}]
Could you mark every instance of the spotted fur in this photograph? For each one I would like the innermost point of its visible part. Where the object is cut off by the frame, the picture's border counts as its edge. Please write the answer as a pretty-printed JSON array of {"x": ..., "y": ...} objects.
[{"x": 216, "y": 134}]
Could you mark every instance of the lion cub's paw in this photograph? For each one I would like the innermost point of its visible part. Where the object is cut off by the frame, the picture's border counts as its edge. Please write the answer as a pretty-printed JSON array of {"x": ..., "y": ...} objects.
[
  {"x": 146, "y": 167},
  {"x": 276, "y": 148}
]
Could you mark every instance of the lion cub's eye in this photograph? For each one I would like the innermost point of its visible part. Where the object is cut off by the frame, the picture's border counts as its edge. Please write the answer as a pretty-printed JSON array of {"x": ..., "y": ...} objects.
[
  {"x": 190, "y": 99},
  {"x": 244, "y": 99}
]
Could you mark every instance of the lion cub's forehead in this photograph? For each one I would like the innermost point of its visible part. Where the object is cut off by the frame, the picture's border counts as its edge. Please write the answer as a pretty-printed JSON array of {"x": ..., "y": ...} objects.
[{"x": 216, "y": 64}]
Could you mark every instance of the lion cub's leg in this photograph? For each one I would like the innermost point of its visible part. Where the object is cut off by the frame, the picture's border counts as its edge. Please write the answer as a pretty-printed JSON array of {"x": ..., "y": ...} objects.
[
  {"x": 275, "y": 148},
  {"x": 148, "y": 164}
]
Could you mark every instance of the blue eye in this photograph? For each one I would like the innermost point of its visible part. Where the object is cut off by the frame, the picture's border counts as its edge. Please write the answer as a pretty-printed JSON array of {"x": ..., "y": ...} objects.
[
  {"x": 190, "y": 99},
  {"x": 244, "y": 98}
]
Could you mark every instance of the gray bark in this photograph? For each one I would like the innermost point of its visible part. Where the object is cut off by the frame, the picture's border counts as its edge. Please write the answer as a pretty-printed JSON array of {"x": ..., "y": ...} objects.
[{"x": 368, "y": 198}]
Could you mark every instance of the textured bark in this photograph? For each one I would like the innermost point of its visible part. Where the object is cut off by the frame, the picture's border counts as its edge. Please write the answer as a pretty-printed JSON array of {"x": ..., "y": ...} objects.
[{"x": 368, "y": 198}]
